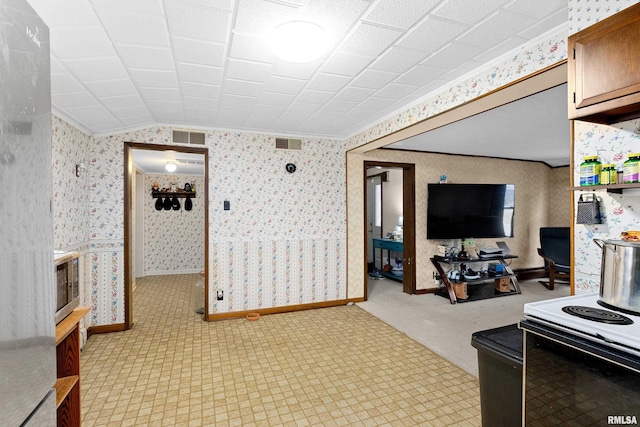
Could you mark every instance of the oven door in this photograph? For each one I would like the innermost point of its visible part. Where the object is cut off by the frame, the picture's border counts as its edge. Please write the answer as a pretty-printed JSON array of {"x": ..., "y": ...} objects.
[{"x": 572, "y": 381}]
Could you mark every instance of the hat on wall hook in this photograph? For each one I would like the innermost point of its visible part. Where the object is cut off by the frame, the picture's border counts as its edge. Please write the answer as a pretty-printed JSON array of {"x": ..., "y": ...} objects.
[{"x": 290, "y": 167}]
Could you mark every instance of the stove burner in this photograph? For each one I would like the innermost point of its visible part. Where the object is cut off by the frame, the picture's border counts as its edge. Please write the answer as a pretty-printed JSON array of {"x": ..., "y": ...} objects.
[{"x": 597, "y": 315}]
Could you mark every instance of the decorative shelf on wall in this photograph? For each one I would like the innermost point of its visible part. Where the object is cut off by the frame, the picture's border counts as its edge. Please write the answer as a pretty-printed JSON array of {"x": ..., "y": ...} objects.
[
  {"x": 611, "y": 188},
  {"x": 179, "y": 194}
]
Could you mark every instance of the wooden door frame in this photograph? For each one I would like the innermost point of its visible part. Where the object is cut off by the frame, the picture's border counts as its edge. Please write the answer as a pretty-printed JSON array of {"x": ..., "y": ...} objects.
[
  {"x": 128, "y": 218},
  {"x": 409, "y": 223}
]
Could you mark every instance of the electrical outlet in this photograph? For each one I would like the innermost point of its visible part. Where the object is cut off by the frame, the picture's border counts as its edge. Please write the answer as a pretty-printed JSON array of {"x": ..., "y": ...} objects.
[{"x": 220, "y": 295}]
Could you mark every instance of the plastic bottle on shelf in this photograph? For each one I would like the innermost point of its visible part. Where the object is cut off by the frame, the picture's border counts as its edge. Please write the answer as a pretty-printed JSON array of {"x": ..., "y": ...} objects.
[
  {"x": 630, "y": 174},
  {"x": 605, "y": 174},
  {"x": 590, "y": 171}
]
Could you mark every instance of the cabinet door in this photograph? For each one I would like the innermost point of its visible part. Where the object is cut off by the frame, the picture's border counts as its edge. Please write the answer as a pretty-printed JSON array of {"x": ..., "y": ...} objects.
[{"x": 604, "y": 78}]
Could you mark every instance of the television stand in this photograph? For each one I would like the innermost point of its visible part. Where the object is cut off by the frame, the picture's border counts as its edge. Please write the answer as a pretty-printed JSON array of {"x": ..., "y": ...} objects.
[{"x": 484, "y": 287}]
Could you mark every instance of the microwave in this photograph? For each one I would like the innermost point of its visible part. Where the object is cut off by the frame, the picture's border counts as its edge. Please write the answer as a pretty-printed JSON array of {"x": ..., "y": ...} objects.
[{"x": 67, "y": 284}]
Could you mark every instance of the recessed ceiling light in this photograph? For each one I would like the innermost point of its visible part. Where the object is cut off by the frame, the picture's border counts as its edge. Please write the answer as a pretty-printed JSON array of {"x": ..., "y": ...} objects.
[{"x": 299, "y": 41}]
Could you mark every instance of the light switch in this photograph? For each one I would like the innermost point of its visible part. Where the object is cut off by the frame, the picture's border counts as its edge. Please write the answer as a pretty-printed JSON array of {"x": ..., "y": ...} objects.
[{"x": 227, "y": 205}]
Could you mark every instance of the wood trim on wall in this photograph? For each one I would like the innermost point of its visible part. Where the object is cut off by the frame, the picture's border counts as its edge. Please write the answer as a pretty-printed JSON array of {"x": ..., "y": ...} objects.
[
  {"x": 283, "y": 309},
  {"x": 128, "y": 171},
  {"x": 105, "y": 329}
]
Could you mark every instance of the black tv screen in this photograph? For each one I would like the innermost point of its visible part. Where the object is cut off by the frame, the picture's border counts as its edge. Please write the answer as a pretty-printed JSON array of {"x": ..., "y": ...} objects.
[{"x": 461, "y": 211}]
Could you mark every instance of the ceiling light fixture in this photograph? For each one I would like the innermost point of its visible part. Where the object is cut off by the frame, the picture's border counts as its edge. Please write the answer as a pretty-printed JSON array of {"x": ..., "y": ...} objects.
[
  {"x": 299, "y": 41},
  {"x": 170, "y": 166}
]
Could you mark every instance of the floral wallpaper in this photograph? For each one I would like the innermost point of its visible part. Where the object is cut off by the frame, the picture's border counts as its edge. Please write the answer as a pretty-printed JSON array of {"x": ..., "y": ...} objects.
[
  {"x": 173, "y": 239},
  {"x": 611, "y": 144},
  {"x": 584, "y": 13}
]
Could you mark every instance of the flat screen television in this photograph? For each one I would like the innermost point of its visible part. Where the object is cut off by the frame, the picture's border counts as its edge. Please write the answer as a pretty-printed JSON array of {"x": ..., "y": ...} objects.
[{"x": 462, "y": 211}]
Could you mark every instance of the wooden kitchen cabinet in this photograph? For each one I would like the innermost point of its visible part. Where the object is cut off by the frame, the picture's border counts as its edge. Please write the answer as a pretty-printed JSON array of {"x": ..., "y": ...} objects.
[
  {"x": 68, "y": 368},
  {"x": 604, "y": 70}
]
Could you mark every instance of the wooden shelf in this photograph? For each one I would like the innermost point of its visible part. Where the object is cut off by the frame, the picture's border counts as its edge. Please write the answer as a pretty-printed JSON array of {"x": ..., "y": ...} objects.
[
  {"x": 179, "y": 194},
  {"x": 611, "y": 188},
  {"x": 64, "y": 328},
  {"x": 63, "y": 387}
]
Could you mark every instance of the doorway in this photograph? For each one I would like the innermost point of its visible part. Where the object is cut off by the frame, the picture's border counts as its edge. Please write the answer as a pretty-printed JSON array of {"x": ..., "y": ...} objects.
[
  {"x": 396, "y": 233},
  {"x": 132, "y": 233}
]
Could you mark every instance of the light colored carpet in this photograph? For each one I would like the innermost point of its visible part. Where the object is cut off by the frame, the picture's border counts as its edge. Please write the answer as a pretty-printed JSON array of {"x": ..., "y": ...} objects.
[
  {"x": 447, "y": 328},
  {"x": 337, "y": 366}
]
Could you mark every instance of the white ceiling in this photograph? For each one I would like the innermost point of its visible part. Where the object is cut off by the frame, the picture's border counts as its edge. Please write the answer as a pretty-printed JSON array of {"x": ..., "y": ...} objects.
[
  {"x": 154, "y": 161},
  {"x": 123, "y": 64},
  {"x": 532, "y": 128}
]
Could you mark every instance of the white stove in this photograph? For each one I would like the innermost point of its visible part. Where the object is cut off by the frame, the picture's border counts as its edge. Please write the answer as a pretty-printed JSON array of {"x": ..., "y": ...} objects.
[{"x": 625, "y": 337}]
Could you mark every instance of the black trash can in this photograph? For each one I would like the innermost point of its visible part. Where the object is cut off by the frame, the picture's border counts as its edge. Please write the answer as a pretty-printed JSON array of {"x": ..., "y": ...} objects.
[{"x": 500, "y": 375}]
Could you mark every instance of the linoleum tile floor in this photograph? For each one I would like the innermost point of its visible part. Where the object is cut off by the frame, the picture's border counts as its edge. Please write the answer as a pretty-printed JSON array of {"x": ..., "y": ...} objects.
[{"x": 338, "y": 366}]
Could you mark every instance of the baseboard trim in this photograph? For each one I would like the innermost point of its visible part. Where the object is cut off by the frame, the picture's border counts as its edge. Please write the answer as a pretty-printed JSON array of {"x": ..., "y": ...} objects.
[
  {"x": 285, "y": 309},
  {"x": 105, "y": 329}
]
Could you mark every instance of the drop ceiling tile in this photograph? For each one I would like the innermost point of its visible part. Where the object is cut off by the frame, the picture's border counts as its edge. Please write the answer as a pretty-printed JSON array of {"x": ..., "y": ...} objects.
[
  {"x": 267, "y": 110},
  {"x": 557, "y": 20},
  {"x": 420, "y": 75},
  {"x": 499, "y": 49},
  {"x": 242, "y": 88},
  {"x": 169, "y": 117},
  {"x": 197, "y": 22},
  {"x": 200, "y": 90},
  {"x": 247, "y": 70},
  {"x": 198, "y": 116},
  {"x": 154, "y": 78},
  {"x": 260, "y": 17},
  {"x": 73, "y": 99},
  {"x": 232, "y": 117},
  {"x": 260, "y": 121},
  {"x": 373, "y": 104},
  {"x": 394, "y": 91},
  {"x": 303, "y": 107},
  {"x": 276, "y": 99},
  {"x": 156, "y": 106},
  {"x": 341, "y": 106},
  {"x": 128, "y": 6},
  {"x": 198, "y": 52},
  {"x": 78, "y": 42},
  {"x": 145, "y": 29},
  {"x": 467, "y": 67},
  {"x": 314, "y": 96},
  {"x": 398, "y": 59},
  {"x": 326, "y": 116},
  {"x": 147, "y": 57},
  {"x": 87, "y": 111},
  {"x": 135, "y": 121},
  {"x": 121, "y": 101},
  {"x": 431, "y": 34},
  {"x": 102, "y": 123},
  {"x": 496, "y": 29},
  {"x": 328, "y": 82},
  {"x": 218, "y": 4},
  {"x": 87, "y": 70},
  {"x": 356, "y": 94},
  {"x": 373, "y": 79},
  {"x": 191, "y": 102},
  {"x": 290, "y": 120},
  {"x": 134, "y": 111},
  {"x": 108, "y": 88},
  {"x": 337, "y": 17},
  {"x": 251, "y": 47},
  {"x": 160, "y": 94},
  {"x": 539, "y": 9},
  {"x": 402, "y": 14},
  {"x": 295, "y": 70},
  {"x": 238, "y": 101},
  {"x": 199, "y": 74},
  {"x": 452, "y": 55},
  {"x": 63, "y": 82},
  {"x": 57, "y": 67},
  {"x": 360, "y": 113},
  {"x": 369, "y": 40},
  {"x": 468, "y": 12},
  {"x": 56, "y": 13},
  {"x": 284, "y": 85},
  {"x": 345, "y": 64}
]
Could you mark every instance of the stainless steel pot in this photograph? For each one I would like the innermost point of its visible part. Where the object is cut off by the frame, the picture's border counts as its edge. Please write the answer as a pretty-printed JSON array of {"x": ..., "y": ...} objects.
[{"x": 620, "y": 275}]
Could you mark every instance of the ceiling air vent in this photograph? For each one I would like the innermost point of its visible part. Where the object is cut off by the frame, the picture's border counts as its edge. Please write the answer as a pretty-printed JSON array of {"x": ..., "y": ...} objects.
[
  {"x": 288, "y": 144},
  {"x": 186, "y": 137}
]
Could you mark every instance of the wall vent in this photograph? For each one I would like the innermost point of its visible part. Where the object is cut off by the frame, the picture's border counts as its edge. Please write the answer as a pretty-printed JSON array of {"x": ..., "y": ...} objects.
[
  {"x": 187, "y": 137},
  {"x": 288, "y": 144}
]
